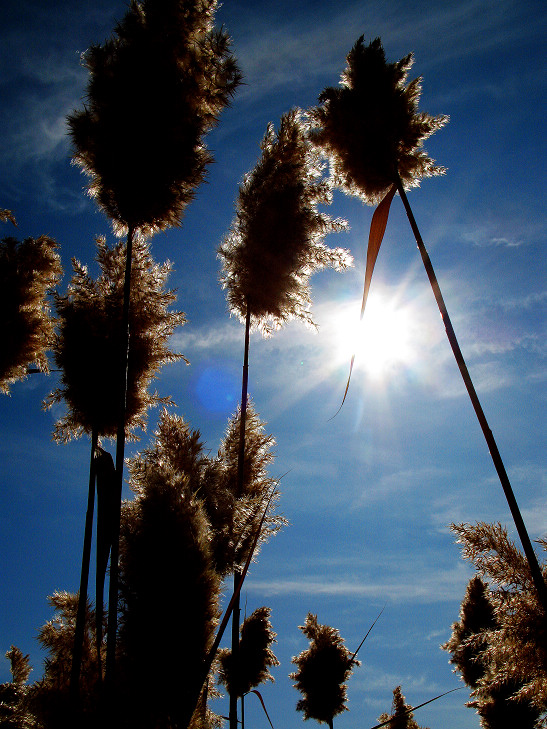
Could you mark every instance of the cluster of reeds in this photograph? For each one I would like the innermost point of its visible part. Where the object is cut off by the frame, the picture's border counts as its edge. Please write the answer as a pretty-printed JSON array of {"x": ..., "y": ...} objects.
[
  {"x": 196, "y": 519},
  {"x": 145, "y": 161}
]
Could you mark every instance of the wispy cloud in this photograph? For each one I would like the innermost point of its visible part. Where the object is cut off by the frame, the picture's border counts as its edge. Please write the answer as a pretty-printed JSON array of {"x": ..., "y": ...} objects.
[
  {"x": 422, "y": 584},
  {"x": 210, "y": 339},
  {"x": 286, "y": 54}
]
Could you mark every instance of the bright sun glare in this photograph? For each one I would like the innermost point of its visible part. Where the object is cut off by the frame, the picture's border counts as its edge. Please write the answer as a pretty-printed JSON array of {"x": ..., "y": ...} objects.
[{"x": 381, "y": 343}]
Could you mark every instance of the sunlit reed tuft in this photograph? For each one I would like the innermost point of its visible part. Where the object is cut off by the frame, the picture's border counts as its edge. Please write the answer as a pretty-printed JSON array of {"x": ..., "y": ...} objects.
[
  {"x": 87, "y": 345},
  {"x": 511, "y": 643},
  {"x": 28, "y": 271},
  {"x": 401, "y": 713},
  {"x": 276, "y": 240},
  {"x": 236, "y": 525},
  {"x": 323, "y": 670},
  {"x": 370, "y": 127},
  {"x": 156, "y": 87},
  {"x": 19, "y": 665},
  {"x": 51, "y": 693},
  {"x": 255, "y": 655}
]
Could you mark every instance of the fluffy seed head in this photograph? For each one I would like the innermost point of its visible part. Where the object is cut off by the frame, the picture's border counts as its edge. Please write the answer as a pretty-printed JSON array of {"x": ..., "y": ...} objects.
[
  {"x": 28, "y": 271},
  {"x": 87, "y": 344},
  {"x": 322, "y": 672},
  {"x": 276, "y": 240},
  {"x": 370, "y": 127},
  {"x": 155, "y": 89}
]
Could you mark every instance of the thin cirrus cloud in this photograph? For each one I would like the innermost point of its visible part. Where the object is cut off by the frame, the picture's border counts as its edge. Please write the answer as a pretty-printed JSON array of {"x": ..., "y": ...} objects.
[
  {"x": 287, "y": 54},
  {"x": 423, "y": 584}
]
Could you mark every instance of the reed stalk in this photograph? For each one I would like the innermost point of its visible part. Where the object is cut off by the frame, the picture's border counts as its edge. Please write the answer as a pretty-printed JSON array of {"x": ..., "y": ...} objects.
[
  {"x": 120, "y": 454},
  {"x": 240, "y": 481},
  {"x": 79, "y": 630},
  {"x": 535, "y": 570}
]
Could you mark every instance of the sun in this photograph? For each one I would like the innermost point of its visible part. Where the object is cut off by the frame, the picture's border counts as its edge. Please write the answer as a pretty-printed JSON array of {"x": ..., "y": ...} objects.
[{"x": 381, "y": 342}]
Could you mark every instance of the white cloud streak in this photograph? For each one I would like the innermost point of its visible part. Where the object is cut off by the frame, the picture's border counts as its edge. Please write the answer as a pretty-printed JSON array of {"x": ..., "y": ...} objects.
[{"x": 423, "y": 585}]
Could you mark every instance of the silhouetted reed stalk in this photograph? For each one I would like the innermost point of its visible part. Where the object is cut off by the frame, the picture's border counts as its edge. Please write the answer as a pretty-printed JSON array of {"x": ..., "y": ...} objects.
[
  {"x": 120, "y": 453},
  {"x": 84, "y": 579},
  {"x": 240, "y": 482},
  {"x": 145, "y": 172},
  {"x": 202, "y": 675},
  {"x": 537, "y": 577}
]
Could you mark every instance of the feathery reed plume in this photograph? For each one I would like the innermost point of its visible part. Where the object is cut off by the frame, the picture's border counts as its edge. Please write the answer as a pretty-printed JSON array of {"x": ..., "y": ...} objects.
[
  {"x": 7, "y": 216},
  {"x": 370, "y": 127},
  {"x": 155, "y": 89},
  {"x": 323, "y": 670},
  {"x": 28, "y": 271},
  {"x": 19, "y": 665},
  {"x": 255, "y": 655},
  {"x": 87, "y": 342},
  {"x": 15, "y": 696},
  {"x": 57, "y": 637},
  {"x": 87, "y": 349},
  {"x": 401, "y": 716},
  {"x": 244, "y": 488},
  {"x": 276, "y": 240},
  {"x": 242, "y": 504},
  {"x": 500, "y": 643},
  {"x": 495, "y": 702},
  {"x": 169, "y": 592}
]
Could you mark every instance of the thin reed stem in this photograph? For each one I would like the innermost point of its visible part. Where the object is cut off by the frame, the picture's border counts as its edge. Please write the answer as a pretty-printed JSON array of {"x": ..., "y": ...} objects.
[
  {"x": 535, "y": 570},
  {"x": 120, "y": 453},
  {"x": 240, "y": 482},
  {"x": 79, "y": 630}
]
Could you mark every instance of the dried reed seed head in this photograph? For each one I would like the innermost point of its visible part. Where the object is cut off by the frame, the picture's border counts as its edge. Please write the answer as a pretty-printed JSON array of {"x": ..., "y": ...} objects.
[
  {"x": 370, "y": 127},
  {"x": 516, "y": 645},
  {"x": 276, "y": 239},
  {"x": 155, "y": 89},
  {"x": 401, "y": 713},
  {"x": 7, "y": 215},
  {"x": 255, "y": 655},
  {"x": 28, "y": 271},
  {"x": 19, "y": 665},
  {"x": 169, "y": 594},
  {"x": 235, "y": 513},
  {"x": 468, "y": 642},
  {"x": 322, "y": 672},
  {"x": 175, "y": 447},
  {"x": 56, "y": 636},
  {"x": 87, "y": 344}
]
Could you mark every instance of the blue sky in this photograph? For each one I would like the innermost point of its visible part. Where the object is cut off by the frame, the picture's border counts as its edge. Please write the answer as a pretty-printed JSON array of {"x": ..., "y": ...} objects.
[{"x": 369, "y": 494}]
